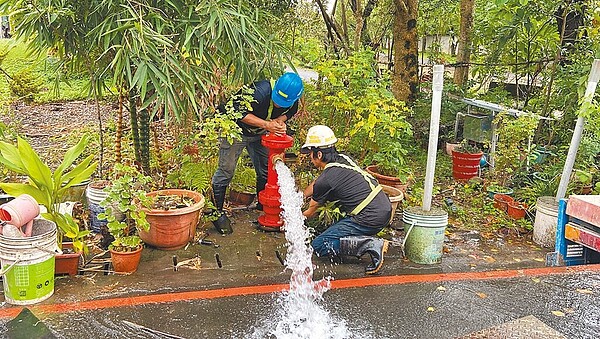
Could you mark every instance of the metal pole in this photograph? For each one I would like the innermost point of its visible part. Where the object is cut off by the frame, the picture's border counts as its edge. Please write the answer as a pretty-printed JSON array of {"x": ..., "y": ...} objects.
[
  {"x": 434, "y": 126},
  {"x": 576, "y": 139}
]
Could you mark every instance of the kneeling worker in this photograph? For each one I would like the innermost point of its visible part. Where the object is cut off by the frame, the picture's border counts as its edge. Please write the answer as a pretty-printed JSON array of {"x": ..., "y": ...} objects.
[{"x": 367, "y": 207}]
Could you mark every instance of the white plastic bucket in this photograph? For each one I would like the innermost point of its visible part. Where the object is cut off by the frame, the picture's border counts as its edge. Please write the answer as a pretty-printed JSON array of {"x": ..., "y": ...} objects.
[
  {"x": 424, "y": 240},
  {"x": 28, "y": 264},
  {"x": 94, "y": 195},
  {"x": 546, "y": 219}
]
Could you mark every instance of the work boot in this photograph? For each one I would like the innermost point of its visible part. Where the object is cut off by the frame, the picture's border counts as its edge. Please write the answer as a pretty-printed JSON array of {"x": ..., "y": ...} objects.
[
  {"x": 359, "y": 245},
  {"x": 222, "y": 223}
]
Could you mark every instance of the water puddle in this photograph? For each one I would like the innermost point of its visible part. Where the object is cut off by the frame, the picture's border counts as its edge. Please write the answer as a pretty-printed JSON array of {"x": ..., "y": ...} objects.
[{"x": 301, "y": 313}]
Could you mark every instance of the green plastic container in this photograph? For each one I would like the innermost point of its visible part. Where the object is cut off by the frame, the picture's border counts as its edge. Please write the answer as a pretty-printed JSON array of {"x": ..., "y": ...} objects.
[
  {"x": 28, "y": 264},
  {"x": 424, "y": 240}
]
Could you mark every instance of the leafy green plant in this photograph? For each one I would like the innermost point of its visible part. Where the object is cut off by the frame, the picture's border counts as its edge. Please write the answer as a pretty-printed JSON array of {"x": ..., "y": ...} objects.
[
  {"x": 46, "y": 187},
  {"x": 390, "y": 161},
  {"x": 327, "y": 214},
  {"x": 192, "y": 174},
  {"x": 513, "y": 146},
  {"x": 24, "y": 85},
  {"x": 466, "y": 147},
  {"x": 244, "y": 179},
  {"x": 353, "y": 98},
  {"x": 126, "y": 195}
]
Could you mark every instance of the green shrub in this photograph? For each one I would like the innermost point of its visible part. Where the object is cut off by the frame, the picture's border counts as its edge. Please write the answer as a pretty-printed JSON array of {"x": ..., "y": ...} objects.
[{"x": 24, "y": 85}]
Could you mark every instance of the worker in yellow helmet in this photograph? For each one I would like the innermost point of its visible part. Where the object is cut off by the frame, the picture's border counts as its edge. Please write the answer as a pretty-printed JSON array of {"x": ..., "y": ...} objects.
[{"x": 367, "y": 207}]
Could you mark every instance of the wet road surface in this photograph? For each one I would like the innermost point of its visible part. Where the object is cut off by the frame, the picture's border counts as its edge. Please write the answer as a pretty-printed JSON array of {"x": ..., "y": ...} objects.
[{"x": 394, "y": 307}]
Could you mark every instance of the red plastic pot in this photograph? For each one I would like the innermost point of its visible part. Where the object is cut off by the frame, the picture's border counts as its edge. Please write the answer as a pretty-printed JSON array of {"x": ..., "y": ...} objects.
[
  {"x": 465, "y": 165},
  {"x": 517, "y": 210},
  {"x": 501, "y": 201}
]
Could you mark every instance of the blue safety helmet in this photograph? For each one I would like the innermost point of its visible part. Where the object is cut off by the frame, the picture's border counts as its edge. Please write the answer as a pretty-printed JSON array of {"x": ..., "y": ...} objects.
[{"x": 287, "y": 90}]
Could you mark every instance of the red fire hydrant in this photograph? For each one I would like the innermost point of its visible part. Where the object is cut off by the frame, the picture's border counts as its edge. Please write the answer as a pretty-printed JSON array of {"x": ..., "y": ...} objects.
[{"x": 270, "y": 197}]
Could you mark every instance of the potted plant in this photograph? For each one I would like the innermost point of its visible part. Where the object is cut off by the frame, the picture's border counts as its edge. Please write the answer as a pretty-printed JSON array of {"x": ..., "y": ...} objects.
[
  {"x": 243, "y": 186},
  {"x": 127, "y": 195},
  {"x": 46, "y": 187},
  {"x": 516, "y": 209},
  {"x": 173, "y": 218},
  {"x": 390, "y": 168},
  {"x": 583, "y": 181},
  {"x": 465, "y": 161},
  {"x": 494, "y": 189}
]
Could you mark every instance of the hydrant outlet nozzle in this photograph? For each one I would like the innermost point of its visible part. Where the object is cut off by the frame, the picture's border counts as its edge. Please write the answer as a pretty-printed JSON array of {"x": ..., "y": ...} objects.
[{"x": 276, "y": 158}]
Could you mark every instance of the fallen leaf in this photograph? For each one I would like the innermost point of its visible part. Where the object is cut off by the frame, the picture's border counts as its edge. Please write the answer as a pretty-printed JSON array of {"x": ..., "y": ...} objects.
[
  {"x": 430, "y": 309},
  {"x": 569, "y": 310},
  {"x": 441, "y": 288},
  {"x": 584, "y": 291},
  {"x": 481, "y": 295},
  {"x": 536, "y": 280},
  {"x": 517, "y": 259},
  {"x": 489, "y": 259},
  {"x": 539, "y": 259},
  {"x": 494, "y": 250},
  {"x": 558, "y": 313},
  {"x": 473, "y": 256}
]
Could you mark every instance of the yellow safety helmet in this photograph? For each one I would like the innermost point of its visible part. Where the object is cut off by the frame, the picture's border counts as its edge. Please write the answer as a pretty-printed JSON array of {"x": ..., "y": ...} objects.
[{"x": 318, "y": 136}]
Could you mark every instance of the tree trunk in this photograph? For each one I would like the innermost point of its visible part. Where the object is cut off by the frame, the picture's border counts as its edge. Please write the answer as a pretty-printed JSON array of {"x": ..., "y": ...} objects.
[
  {"x": 461, "y": 72},
  {"x": 359, "y": 24},
  {"x": 135, "y": 131},
  {"x": 405, "y": 80}
]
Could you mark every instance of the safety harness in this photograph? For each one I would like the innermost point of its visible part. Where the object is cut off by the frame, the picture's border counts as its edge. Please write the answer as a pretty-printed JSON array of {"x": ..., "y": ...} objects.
[{"x": 375, "y": 189}]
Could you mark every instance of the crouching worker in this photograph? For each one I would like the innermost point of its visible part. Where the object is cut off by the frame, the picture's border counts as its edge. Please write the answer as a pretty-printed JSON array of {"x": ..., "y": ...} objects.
[{"x": 367, "y": 207}]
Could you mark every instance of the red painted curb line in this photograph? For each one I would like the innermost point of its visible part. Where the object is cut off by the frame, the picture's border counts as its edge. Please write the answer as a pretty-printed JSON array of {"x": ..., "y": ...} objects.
[{"x": 12, "y": 312}]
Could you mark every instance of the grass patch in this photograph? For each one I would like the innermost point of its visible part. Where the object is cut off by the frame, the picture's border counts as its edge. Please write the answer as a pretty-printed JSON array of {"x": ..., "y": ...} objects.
[{"x": 18, "y": 58}]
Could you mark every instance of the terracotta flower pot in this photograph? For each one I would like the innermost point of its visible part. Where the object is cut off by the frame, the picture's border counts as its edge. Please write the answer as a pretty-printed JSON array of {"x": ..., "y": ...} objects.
[
  {"x": 501, "y": 201},
  {"x": 126, "y": 262},
  {"x": 67, "y": 263},
  {"x": 387, "y": 180},
  {"x": 517, "y": 210},
  {"x": 172, "y": 229},
  {"x": 241, "y": 198},
  {"x": 395, "y": 195}
]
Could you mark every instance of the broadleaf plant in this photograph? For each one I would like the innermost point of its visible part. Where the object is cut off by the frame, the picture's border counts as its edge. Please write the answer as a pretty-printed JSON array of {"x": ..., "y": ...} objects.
[{"x": 48, "y": 188}]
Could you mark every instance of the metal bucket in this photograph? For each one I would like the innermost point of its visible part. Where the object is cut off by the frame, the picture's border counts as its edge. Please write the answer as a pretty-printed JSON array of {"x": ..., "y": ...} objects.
[
  {"x": 28, "y": 264},
  {"x": 546, "y": 219},
  {"x": 424, "y": 240}
]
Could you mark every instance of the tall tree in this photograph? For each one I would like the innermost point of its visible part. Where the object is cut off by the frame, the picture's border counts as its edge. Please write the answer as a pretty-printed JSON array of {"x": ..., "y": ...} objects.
[
  {"x": 405, "y": 80},
  {"x": 461, "y": 73},
  {"x": 165, "y": 54}
]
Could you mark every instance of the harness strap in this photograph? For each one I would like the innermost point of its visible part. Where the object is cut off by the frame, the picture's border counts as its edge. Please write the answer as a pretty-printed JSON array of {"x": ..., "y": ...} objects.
[
  {"x": 374, "y": 189},
  {"x": 270, "y": 111}
]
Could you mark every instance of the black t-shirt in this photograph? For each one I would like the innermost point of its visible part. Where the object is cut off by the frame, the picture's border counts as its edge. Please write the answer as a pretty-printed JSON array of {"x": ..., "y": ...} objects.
[
  {"x": 350, "y": 188},
  {"x": 260, "y": 107}
]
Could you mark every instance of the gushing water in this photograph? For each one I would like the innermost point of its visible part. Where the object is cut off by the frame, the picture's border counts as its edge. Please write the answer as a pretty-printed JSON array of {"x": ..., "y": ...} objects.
[{"x": 301, "y": 313}]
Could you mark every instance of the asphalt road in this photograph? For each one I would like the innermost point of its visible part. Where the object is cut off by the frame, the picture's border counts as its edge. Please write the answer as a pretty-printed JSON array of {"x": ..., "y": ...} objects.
[{"x": 451, "y": 306}]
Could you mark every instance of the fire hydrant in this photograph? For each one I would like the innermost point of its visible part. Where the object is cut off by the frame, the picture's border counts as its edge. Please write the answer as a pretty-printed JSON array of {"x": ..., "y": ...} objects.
[{"x": 270, "y": 197}]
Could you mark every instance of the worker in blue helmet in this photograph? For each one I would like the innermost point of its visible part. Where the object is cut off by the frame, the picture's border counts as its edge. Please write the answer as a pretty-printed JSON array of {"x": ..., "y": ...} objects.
[{"x": 273, "y": 103}]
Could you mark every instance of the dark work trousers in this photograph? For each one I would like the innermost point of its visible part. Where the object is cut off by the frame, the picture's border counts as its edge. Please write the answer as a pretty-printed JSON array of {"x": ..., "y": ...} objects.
[{"x": 229, "y": 155}]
